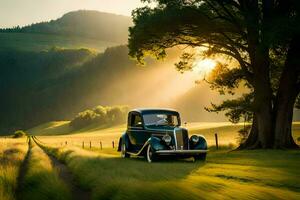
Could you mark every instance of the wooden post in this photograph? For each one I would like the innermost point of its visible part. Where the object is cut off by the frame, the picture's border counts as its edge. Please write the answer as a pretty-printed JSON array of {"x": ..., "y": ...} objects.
[
  {"x": 113, "y": 144},
  {"x": 83, "y": 144},
  {"x": 90, "y": 144},
  {"x": 217, "y": 143},
  {"x": 100, "y": 145}
]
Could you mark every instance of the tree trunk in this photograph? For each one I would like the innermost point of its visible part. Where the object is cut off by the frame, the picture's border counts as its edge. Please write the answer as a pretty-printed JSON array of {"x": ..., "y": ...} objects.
[
  {"x": 263, "y": 99},
  {"x": 286, "y": 97},
  {"x": 252, "y": 141},
  {"x": 258, "y": 50}
]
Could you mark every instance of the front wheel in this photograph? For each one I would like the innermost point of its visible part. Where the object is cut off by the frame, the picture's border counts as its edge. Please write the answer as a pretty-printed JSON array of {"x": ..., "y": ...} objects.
[
  {"x": 200, "y": 157},
  {"x": 124, "y": 153},
  {"x": 150, "y": 155}
]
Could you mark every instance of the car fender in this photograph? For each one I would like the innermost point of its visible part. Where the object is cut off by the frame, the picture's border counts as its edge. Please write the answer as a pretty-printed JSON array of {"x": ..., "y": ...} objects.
[
  {"x": 156, "y": 144},
  {"x": 124, "y": 138},
  {"x": 201, "y": 144}
]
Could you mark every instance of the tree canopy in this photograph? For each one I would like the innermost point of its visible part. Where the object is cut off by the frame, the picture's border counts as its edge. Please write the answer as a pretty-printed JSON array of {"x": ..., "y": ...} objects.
[{"x": 259, "y": 40}]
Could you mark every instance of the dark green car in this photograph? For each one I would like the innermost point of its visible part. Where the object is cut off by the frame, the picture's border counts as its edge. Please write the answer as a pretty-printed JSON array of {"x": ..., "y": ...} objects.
[{"x": 154, "y": 133}]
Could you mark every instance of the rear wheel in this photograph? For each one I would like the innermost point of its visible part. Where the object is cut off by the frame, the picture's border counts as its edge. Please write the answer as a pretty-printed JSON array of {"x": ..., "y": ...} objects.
[
  {"x": 124, "y": 153},
  {"x": 150, "y": 154},
  {"x": 200, "y": 157}
]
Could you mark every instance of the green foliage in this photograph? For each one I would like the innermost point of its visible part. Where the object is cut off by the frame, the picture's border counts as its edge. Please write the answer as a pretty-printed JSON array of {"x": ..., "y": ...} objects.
[
  {"x": 235, "y": 108},
  {"x": 19, "y": 134},
  {"x": 100, "y": 115}
]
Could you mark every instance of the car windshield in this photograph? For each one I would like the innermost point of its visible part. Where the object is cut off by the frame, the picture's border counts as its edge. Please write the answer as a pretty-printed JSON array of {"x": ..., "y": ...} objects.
[{"x": 161, "y": 120}]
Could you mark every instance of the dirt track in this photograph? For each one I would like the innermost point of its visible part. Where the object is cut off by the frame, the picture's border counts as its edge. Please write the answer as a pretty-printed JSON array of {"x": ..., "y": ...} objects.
[{"x": 64, "y": 173}]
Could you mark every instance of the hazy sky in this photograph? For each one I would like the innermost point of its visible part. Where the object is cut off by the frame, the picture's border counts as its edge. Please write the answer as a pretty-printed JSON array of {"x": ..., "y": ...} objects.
[{"x": 23, "y": 12}]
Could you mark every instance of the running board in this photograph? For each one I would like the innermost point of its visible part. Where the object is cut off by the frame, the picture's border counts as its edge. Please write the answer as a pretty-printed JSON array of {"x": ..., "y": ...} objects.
[{"x": 140, "y": 151}]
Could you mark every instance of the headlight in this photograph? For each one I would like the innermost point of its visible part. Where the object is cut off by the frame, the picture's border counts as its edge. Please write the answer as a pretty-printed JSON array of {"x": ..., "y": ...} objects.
[
  {"x": 195, "y": 138},
  {"x": 167, "y": 139}
]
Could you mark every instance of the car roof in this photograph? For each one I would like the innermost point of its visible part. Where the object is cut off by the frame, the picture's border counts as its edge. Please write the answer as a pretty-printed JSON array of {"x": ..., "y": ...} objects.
[{"x": 155, "y": 110}]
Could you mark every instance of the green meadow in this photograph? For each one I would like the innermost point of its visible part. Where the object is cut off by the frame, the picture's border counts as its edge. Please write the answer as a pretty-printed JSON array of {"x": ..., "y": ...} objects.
[{"x": 103, "y": 174}]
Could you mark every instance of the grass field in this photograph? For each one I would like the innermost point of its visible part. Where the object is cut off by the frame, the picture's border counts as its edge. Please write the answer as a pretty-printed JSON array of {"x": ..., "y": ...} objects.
[
  {"x": 12, "y": 153},
  {"x": 54, "y": 167},
  {"x": 225, "y": 175},
  {"x": 40, "y": 42}
]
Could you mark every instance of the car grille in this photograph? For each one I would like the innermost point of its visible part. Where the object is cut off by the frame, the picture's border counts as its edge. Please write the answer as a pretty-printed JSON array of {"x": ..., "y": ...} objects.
[{"x": 182, "y": 139}]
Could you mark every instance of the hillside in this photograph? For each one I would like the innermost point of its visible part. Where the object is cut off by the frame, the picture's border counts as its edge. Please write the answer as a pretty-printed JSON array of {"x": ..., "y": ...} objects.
[
  {"x": 58, "y": 83},
  {"x": 84, "y": 24},
  {"x": 36, "y": 42}
]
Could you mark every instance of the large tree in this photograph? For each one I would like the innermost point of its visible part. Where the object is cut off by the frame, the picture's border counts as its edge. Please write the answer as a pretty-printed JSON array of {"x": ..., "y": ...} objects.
[{"x": 261, "y": 36}]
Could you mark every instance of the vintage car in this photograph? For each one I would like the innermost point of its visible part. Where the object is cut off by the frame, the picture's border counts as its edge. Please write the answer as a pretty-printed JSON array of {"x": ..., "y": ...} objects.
[{"x": 154, "y": 133}]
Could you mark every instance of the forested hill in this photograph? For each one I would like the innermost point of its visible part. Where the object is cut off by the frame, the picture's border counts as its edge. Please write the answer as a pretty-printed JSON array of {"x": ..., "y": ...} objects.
[
  {"x": 56, "y": 84},
  {"x": 83, "y": 23}
]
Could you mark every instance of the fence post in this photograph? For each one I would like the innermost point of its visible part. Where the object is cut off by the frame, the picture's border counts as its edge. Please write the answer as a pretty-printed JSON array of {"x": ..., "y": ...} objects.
[
  {"x": 83, "y": 144},
  {"x": 90, "y": 144},
  {"x": 217, "y": 143},
  {"x": 100, "y": 145},
  {"x": 113, "y": 144}
]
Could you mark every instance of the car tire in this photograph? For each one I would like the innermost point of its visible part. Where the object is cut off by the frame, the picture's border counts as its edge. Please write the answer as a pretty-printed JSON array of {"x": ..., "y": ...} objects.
[
  {"x": 200, "y": 157},
  {"x": 150, "y": 154},
  {"x": 124, "y": 153}
]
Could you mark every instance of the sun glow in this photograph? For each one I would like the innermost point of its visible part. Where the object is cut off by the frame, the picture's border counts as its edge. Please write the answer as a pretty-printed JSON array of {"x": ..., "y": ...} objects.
[{"x": 204, "y": 67}]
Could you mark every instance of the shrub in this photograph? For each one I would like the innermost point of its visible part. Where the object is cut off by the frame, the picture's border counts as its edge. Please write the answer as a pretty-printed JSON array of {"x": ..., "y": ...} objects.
[
  {"x": 83, "y": 119},
  {"x": 19, "y": 134},
  {"x": 101, "y": 112},
  {"x": 117, "y": 114}
]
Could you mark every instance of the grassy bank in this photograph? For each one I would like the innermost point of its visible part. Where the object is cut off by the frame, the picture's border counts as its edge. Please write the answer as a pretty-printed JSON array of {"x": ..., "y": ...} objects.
[
  {"x": 12, "y": 153},
  {"x": 225, "y": 175}
]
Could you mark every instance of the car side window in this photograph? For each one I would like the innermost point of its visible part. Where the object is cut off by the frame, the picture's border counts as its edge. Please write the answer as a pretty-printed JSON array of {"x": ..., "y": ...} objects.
[{"x": 136, "y": 120}]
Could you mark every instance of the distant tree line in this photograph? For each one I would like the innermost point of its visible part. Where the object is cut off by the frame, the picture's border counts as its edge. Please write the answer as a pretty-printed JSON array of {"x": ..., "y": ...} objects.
[{"x": 100, "y": 115}]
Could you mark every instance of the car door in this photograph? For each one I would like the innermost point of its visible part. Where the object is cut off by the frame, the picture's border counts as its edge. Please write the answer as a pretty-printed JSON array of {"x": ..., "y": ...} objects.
[{"x": 136, "y": 132}]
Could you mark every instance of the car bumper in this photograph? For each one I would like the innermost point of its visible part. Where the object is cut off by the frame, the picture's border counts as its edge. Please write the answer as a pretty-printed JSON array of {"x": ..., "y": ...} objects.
[{"x": 180, "y": 152}]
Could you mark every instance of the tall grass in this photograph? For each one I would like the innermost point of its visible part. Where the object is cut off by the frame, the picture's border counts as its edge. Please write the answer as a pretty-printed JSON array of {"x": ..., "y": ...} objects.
[
  {"x": 12, "y": 153},
  {"x": 234, "y": 175},
  {"x": 41, "y": 180}
]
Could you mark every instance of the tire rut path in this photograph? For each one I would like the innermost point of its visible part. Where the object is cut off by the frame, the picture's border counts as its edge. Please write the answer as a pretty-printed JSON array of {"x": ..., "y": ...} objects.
[
  {"x": 22, "y": 171},
  {"x": 77, "y": 193}
]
